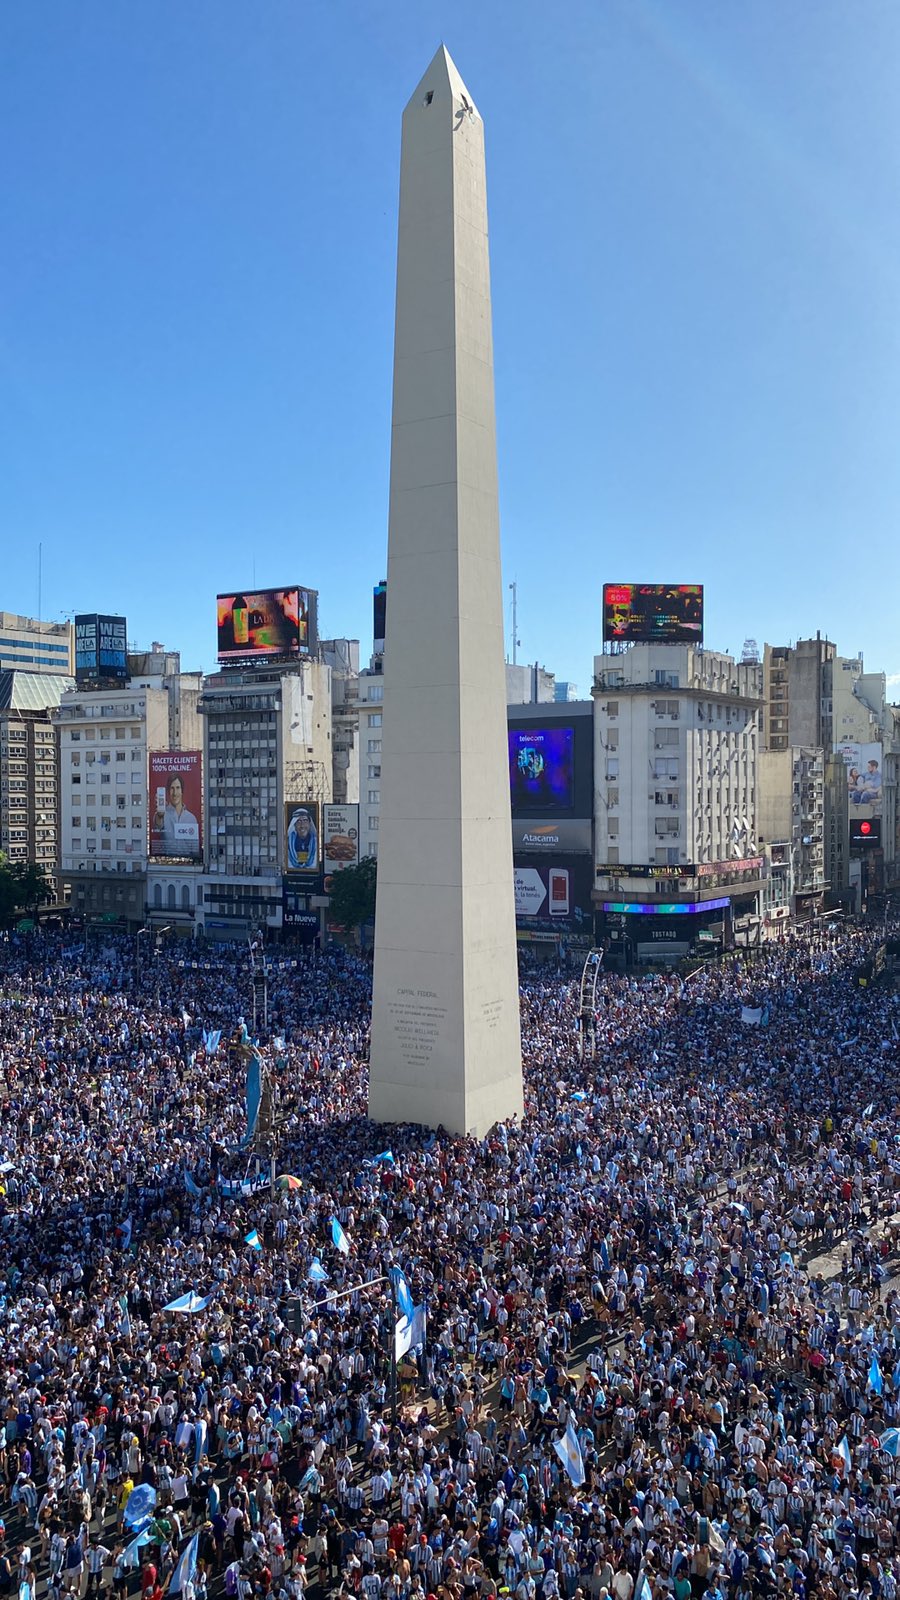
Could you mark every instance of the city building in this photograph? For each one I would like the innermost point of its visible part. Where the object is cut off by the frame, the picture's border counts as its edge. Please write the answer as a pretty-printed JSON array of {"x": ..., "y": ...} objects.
[
  {"x": 267, "y": 746},
  {"x": 29, "y": 768},
  {"x": 110, "y": 735},
  {"x": 371, "y": 721},
  {"x": 342, "y": 657},
  {"x": 34, "y": 646},
  {"x": 529, "y": 685},
  {"x": 675, "y": 775},
  {"x": 792, "y": 830},
  {"x": 798, "y": 690},
  {"x": 565, "y": 691}
]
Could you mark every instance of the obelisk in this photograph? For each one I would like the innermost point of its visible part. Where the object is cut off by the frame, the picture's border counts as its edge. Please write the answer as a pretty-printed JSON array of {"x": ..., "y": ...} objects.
[{"x": 445, "y": 1044}]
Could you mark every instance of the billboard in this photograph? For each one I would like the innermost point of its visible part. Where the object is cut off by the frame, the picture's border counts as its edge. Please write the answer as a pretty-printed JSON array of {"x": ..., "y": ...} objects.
[
  {"x": 379, "y": 615},
  {"x": 302, "y": 846},
  {"x": 253, "y": 625},
  {"x": 865, "y": 831},
  {"x": 555, "y": 896},
  {"x": 653, "y": 613},
  {"x": 547, "y": 838},
  {"x": 100, "y": 648},
  {"x": 863, "y": 764},
  {"x": 541, "y": 769},
  {"x": 340, "y": 838},
  {"x": 176, "y": 803}
]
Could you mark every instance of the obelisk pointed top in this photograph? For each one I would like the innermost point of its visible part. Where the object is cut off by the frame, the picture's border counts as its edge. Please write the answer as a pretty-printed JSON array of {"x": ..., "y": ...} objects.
[{"x": 443, "y": 82}]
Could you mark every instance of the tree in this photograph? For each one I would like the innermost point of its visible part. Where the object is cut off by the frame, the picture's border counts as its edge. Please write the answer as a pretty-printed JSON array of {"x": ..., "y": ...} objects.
[
  {"x": 7, "y": 891},
  {"x": 31, "y": 887},
  {"x": 353, "y": 894}
]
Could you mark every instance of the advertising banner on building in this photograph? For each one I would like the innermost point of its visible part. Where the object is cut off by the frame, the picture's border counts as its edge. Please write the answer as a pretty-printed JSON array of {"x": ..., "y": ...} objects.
[
  {"x": 546, "y": 838},
  {"x": 863, "y": 763},
  {"x": 176, "y": 803},
  {"x": 653, "y": 613},
  {"x": 340, "y": 837},
  {"x": 257, "y": 624},
  {"x": 100, "y": 648},
  {"x": 302, "y": 843},
  {"x": 541, "y": 769},
  {"x": 553, "y": 895}
]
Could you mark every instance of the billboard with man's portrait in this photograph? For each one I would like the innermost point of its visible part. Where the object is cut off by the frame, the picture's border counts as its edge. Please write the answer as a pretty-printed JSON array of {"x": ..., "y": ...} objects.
[
  {"x": 176, "y": 804},
  {"x": 302, "y": 838}
]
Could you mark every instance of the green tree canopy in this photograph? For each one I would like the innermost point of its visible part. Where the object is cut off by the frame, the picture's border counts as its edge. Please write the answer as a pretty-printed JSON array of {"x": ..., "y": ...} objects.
[{"x": 353, "y": 894}]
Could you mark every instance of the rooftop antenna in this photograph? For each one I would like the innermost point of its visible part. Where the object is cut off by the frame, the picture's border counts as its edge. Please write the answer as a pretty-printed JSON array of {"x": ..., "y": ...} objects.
[
  {"x": 515, "y": 623},
  {"x": 40, "y": 576}
]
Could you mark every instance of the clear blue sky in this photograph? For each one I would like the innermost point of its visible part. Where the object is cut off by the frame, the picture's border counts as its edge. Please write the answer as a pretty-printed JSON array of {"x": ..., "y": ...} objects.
[{"x": 695, "y": 238}]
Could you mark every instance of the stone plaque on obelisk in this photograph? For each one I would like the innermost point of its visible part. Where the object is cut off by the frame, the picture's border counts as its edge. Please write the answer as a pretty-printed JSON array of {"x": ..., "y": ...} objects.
[{"x": 445, "y": 1020}]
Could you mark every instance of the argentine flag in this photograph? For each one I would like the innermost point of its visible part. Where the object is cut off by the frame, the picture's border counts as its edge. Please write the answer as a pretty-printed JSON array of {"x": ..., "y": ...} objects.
[
  {"x": 876, "y": 1381},
  {"x": 402, "y": 1293},
  {"x": 339, "y": 1238},
  {"x": 569, "y": 1451},
  {"x": 252, "y": 1238},
  {"x": 187, "y": 1567},
  {"x": 317, "y": 1273}
]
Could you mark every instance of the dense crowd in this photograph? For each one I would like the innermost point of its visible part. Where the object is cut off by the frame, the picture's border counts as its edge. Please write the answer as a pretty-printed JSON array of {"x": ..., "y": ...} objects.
[{"x": 662, "y": 1352}]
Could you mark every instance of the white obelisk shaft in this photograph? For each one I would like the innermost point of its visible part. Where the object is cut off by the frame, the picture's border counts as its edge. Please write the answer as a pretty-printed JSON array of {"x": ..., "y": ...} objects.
[{"x": 445, "y": 1024}]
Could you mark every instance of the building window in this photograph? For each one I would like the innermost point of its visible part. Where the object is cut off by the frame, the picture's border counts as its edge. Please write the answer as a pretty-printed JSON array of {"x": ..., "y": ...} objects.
[{"x": 374, "y": 719}]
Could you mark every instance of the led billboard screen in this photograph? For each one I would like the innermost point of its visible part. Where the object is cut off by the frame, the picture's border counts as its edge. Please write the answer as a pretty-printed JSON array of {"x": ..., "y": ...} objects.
[
  {"x": 541, "y": 769},
  {"x": 100, "y": 648},
  {"x": 865, "y": 831},
  {"x": 653, "y": 613},
  {"x": 302, "y": 843},
  {"x": 176, "y": 803},
  {"x": 254, "y": 625}
]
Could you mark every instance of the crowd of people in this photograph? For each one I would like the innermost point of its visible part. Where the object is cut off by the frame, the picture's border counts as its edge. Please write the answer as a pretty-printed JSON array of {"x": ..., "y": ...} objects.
[{"x": 662, "y": 1346}]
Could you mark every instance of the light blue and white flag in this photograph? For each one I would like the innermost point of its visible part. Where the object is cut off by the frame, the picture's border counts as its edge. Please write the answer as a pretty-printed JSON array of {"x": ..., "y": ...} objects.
[
  {"x": 253, "y": 1096},
  {"x": 190, "y": 1185},
  {"x": 212, "y": 1038},
  {"x": 387, "y": 1157},
  {"x": 402, "y": 1292},
  {"x": 279, "y": 1044},
  {"x": 842, "y": 1453},
  {"x": 125, "y": 1230},
  {"x": 876, "y": 1381},
  {"x": 317, "y": 1273},
  {"x": 890, "y": 1441},
  {"x": 186, "y": 1570},
  {"x": 604, "y": 1254},
  {"x": 752, "y": 1015},
  {"x": 643, "y": 1590},
  {"x": 569, "y": 1451},
  {"x": 200, "y": 1437},
  {"x": 579, "y": 1095},
  {"x": 125, "y": 1324},
  {"x": 131, "y": 1555},
  {"x": 252, "y": 1238},
  {"x": 409, "y": 1332},
  {"x": 189, "y": 1303},
  {"x": 867, "y": 1112},
  {"x": 339, "y": 1238},
  {"x": 184, "y": 1434}
]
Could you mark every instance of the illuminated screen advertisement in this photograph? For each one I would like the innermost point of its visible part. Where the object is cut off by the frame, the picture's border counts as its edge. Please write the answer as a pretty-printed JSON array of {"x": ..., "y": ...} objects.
[
  {"x": 541, "y": 770},
  {"x": 340, "y": 838},
  {"x": 176, "y": 803},
  {"x": 863, "y": 765},
  {"x": 253, "y": 625},
  {"x": 653, "y": 613},
  {"x": 302, "y": 840}
]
